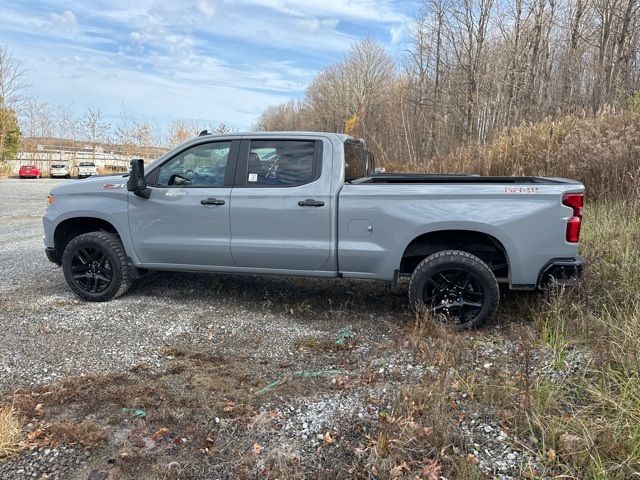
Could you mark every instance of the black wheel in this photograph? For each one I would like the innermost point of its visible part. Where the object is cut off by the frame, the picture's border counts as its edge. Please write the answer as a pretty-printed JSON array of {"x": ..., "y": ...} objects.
[
  {"x": 95, "y": 266},
  {"x": 456, "y": 287}
]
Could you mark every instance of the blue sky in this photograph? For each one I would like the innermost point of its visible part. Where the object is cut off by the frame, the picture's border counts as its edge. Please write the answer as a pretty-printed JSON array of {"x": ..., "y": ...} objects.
[{"x": 199, "y": 59}]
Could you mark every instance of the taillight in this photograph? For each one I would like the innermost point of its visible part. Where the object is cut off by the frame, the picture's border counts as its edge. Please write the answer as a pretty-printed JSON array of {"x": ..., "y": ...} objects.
[{"x": 576, "y": 202}]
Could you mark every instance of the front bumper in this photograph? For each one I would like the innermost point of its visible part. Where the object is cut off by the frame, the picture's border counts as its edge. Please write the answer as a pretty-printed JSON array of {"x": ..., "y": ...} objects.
[
  {"x": 561, "y": 272},
  {"x": 51, "y": 255}
]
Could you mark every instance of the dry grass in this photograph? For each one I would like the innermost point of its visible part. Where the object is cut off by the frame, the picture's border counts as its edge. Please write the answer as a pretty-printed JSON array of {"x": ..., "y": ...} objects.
[
  {"x": 585, "y": 425},
  {"x": 10, "y": 432},
  {"x": 602, "y": 152},
  {"x": 5, "y": 170},
  {"x": 112, "y": 170},
  {"x": 599, "y": 409},
  {"x": 85, "y": 434}
]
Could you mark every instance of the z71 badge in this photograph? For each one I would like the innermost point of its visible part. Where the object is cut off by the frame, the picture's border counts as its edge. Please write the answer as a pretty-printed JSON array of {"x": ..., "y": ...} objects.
[
  {"x": 111, "y": 186},
  {"x": 521, "y": 189}
]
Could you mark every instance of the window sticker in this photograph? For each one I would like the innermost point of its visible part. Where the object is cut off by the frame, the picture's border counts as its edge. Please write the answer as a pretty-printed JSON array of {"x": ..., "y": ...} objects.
[{"x": 253, "y": 177}]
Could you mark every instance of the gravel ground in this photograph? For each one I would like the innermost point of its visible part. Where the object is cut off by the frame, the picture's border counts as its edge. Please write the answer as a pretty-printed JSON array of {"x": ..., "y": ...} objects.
[
  {"x": 259, "y": 331},
  {"x": 48, "y": 333}
]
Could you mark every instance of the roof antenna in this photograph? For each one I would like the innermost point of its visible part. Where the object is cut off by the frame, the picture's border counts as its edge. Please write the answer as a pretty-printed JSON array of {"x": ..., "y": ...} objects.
[{"x": 204, "y": 132}]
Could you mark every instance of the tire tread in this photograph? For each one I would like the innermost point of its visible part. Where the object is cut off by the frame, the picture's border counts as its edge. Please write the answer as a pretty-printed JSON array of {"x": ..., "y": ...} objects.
[
  {"x": 415, "y": 293},
  {"x": 113, "y": 241}
]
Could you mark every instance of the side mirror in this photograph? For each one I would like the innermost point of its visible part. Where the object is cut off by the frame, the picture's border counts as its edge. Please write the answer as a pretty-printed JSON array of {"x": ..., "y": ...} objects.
[{"x": 137, "y": 183}]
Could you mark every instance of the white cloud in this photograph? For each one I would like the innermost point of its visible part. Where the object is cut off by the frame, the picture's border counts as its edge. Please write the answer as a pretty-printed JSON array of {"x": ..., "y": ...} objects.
[
  {"x": 397, "y": 33},
  {"x": 378, "y": 11},
  {"x": 315, "y": 25},
  {"x": 217, "y": 59},
  {"x": 66, "y": 19},
  {"x": 205, "y": 7}
]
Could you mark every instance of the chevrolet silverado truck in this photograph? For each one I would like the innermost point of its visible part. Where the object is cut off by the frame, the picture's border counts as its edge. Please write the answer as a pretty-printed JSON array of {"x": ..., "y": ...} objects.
[{"x": 310, "y": 204}]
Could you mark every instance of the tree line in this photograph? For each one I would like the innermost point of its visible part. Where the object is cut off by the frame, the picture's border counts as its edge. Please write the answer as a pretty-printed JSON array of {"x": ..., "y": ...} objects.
[{"x": 471, "y": 69}]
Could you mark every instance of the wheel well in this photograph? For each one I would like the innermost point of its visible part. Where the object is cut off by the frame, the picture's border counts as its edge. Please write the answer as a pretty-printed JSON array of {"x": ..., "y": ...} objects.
[
  {"x": 484, "y": 246},
  {"x": 72, "y": 227}
]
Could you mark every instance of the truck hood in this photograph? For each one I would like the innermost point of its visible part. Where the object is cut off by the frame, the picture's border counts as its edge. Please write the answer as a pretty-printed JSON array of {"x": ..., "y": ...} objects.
[{"x": 95, "y": 183}]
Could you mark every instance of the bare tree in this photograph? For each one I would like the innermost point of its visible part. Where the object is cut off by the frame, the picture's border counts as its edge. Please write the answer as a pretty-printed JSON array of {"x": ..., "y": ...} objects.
[
  {"x": 94, "y": 129},
  {"x": 180, "y": 131},
  {"x": 12, "y": 86}
]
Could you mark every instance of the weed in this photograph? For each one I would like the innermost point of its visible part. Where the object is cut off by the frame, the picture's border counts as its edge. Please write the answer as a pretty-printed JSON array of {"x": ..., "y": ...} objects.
[{"x": 10, "y": 432}]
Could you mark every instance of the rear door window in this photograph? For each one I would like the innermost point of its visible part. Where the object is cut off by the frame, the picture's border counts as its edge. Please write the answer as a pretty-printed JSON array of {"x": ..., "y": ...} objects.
[{"x": 283, "y": 163}]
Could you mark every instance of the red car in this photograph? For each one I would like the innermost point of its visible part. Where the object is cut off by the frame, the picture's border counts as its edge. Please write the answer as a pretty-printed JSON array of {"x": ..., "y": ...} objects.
[{"x": 29, "y": 171}]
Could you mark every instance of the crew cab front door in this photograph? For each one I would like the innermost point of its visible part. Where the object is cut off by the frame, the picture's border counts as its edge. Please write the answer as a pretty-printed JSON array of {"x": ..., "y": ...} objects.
[
  {"x": 281, "y": 207},
  {"x": 185, "y": 221}
]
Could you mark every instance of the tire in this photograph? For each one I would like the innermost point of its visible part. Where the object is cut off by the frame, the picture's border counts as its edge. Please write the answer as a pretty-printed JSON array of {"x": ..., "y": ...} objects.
[
  {"x": 67, "y": 176},
  {"x": 455, "y": 286},
  {"x": 95, "y": 266}
]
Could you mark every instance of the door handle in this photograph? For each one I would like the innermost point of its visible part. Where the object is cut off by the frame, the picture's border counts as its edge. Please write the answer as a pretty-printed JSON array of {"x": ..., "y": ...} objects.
[
  {"x": 212, "y": 201},
  {"x": 309, "y": 202}
]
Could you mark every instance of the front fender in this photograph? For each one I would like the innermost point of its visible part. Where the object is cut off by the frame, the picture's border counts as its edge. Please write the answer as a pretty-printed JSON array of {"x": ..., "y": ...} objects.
[{"x": 110, "y": 208}]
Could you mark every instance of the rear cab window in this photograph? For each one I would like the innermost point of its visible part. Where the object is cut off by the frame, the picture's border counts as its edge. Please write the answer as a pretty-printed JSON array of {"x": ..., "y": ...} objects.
[{"x": 358, "y": 162}]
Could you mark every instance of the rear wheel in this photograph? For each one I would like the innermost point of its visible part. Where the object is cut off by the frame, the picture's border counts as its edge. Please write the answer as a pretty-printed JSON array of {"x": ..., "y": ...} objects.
[
  {"x": 456, "y": 287},
  {"x": 95, "y": 266}
]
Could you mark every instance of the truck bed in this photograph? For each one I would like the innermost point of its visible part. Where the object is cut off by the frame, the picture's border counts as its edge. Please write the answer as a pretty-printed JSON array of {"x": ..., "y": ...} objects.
[{"x": 408, "y": 178}]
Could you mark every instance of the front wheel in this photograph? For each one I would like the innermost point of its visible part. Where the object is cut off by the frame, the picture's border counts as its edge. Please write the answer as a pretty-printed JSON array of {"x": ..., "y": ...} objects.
[
  {"x": 456, "y": 287},
  {"x": 95, "y": 266}
]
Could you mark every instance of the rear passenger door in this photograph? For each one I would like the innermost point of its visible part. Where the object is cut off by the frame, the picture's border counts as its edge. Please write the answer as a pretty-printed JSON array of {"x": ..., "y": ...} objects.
[{"x": 281, "y": 206}]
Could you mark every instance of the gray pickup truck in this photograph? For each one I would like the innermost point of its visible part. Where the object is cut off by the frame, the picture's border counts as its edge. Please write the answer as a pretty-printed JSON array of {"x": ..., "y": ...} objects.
[{"x": 311, "y": 204}]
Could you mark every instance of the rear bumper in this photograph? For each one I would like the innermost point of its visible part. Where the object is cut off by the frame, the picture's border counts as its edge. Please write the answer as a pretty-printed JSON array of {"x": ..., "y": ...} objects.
[{"x": 560, "y": 272}]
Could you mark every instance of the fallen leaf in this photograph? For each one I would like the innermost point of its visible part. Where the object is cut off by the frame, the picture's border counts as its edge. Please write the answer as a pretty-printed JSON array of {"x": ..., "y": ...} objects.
[
  {"x": 160, "y": 434},
  {"x": 38, "y": 408},
  {"x": 399, "y": 469},
  {"x": 431, "y": 470},
  {"x": 551, "y": 454},
  {"x": 328, "y": 438},
  {"x": 257, "y": 448}
]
